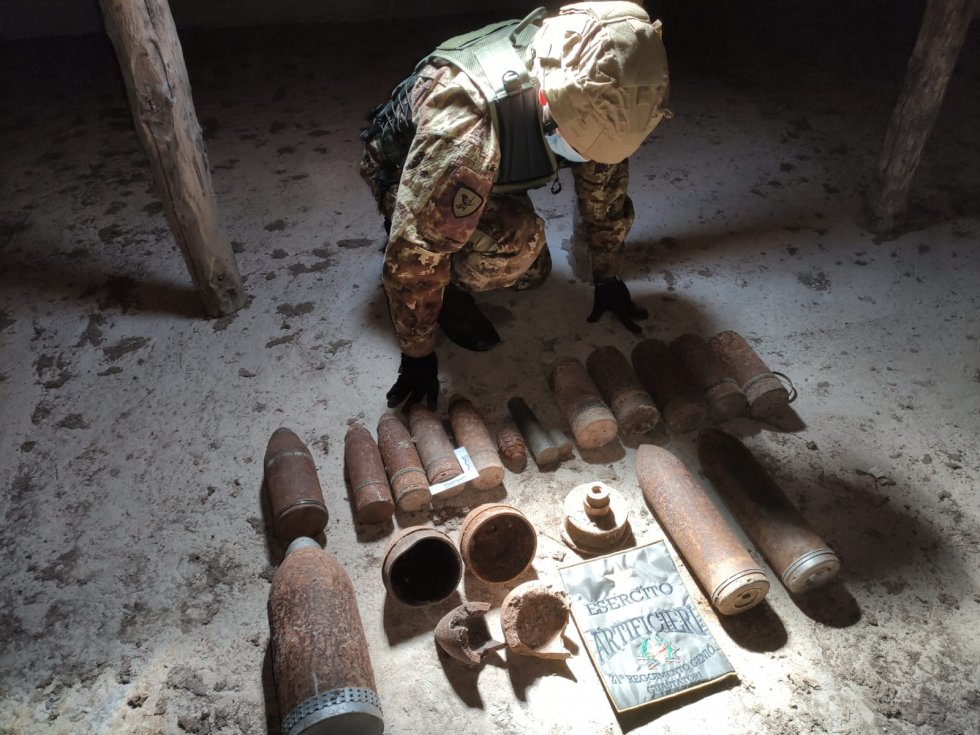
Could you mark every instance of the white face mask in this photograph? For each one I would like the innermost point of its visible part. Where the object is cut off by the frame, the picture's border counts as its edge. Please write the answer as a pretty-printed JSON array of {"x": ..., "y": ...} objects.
[{"x": 561, "y": 148}]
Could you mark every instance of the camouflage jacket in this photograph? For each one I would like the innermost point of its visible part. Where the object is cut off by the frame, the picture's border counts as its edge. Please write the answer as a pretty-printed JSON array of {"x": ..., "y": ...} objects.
[{"x": 446, "y": 179}]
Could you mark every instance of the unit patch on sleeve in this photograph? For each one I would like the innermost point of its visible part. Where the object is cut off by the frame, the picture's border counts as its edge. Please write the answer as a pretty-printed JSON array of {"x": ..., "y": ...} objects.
[{"x": 466, "y": 202}]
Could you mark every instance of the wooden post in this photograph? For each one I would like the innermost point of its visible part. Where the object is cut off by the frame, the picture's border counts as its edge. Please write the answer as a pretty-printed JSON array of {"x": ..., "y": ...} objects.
[
  {"x": 944, "y": 26},
  {"x": 152, "y": 61}
]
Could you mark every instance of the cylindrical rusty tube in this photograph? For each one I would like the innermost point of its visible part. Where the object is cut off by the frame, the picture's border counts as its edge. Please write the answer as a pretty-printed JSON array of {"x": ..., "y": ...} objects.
[
  {"x": 512, "y": 448},
  {"x": 631, "y": 403},
  {"x": 295, "y": 496},
  {"x": 370, "y": 493},
  {"x": 433, "y": 445},
  {"x": 497, "y": 542},
  {"x": 472, "y": 434},
  {"x": 320, "y": 661},
  {"x": 722, "y": 392},
  {"x": 793, "y": 549},
  {"x": 409, "y": 484},
  {"x": 764, "y": 391},
  {"x": 727, "y": 574},
  {"x": 536, "y": 437},
  {"x": 593, "y": 424},
  {"x": 421, "y": 566},
  {"x": 671, "y": 386}
]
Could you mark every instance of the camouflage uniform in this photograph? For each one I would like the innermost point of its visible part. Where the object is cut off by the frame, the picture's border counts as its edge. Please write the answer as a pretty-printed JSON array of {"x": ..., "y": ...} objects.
[{"x": 446, "y": 225}]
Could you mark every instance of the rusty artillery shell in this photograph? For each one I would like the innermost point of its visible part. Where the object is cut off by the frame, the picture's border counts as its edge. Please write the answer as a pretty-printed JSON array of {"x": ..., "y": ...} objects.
[
  {"x": 510, "y": 445},
  {"x": 434, "y": 447},
  {"x": 471, "y": 433},
  {"x": 764, "y": 391},
  {"x": 536, "y": 437},
  {"x": 631, "y": 403},
  {"x": 369, "y": 488},
  {"x": 727, "y": 574},
  {"x": 409, "y": 484},
  {"x": 593, "y": 424},
  {"x": 324, "y": 680},
  {"x": 722, "y": 392},
  {"x": 294, "y": 488},
  {"x": 672, "y": 387},
  {"x": 793, "y": 549},
  {"x": 497, "y": 542},
  {"x": 421, "y": 566}
]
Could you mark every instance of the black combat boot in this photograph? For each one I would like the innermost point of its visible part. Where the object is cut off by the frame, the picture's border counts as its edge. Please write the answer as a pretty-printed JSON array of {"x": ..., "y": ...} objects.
[{"x": 463, "y": 322}]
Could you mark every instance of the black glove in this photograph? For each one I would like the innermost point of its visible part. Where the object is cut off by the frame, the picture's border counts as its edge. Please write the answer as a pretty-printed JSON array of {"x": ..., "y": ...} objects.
[
  {"x": 612, "y": 295},
  {"x": 417, "y": 377}
]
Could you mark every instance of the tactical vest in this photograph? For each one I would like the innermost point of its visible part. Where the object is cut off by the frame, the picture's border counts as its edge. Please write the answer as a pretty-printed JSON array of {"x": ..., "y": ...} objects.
[{"x": 492, "y": 58}]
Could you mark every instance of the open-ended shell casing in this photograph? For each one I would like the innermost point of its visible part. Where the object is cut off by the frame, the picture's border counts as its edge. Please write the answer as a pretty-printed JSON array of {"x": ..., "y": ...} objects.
[
  {"x": 434, "y": 448},
  {"x": 471, "y": 433},
  {"x": 593, "y": 424},
  {"x": 369, "y": 488},
  {"x": 793, "y": 549},
  {"x": 497, "y": 542},
  {"x": 722, "y": 392},
  {"x": 672, "y": 387},
  {"x": 630, "y": 402},
  {"x": 764, "y": 391},
  {"x": 715, "y": 557},
  {"x": 534, "y": 616},
  {"x": 463, "y": 633},
  {"x": 409, "y": 484},
  {"x": 320, "y": 661},
  {"x": 421, "y": 566},
  {"x": 295, "y": 496}
]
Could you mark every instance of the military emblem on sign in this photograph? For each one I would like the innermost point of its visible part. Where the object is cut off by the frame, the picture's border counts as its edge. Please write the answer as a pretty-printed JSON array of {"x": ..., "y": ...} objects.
[
  {"x": 656, "y": 651},
  {"x": 466, "y": 202}
]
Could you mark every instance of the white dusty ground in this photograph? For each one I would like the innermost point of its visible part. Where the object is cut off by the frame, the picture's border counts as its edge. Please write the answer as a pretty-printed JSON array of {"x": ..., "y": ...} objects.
[{"x": 135, "y": 553}]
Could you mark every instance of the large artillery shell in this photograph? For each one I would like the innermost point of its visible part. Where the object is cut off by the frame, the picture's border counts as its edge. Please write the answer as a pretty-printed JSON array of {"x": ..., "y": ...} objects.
[
  {"x": 672, "y": 387},
  {"x": 320, "y": 661},
  {"x": 421, "y": 566},
  {"x": 722, "y": 392},
  {"x": 434, "y": 447},
  {"x": 536, "y": 437},
  {"x": 471, "y": 433},
  {"x": 727, "y": 574},
  {"x": 366, "y": 474},
  {"x": 512, "y": 448},
  {"x": 497, "y": 541},
  {"x": 294, "y": 490},
  {"x": 593, "y": 424},
  {"x": 631, "y": 403},
  {"x": 793, "y": 549},
  {"x": 409, "y": 484},
  {"x": 764, "y": 391}
]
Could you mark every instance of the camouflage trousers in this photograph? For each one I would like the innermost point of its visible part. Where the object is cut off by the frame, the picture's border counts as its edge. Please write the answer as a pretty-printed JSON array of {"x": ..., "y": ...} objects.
[{"x": 507, "y": 248}]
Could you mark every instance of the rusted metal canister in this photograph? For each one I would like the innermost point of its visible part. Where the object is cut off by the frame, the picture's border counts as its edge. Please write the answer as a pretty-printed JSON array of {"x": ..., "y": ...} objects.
[
  {"x": 471, "y": 433},
  {"x": 593, "y": 424},
  {"x": 497, "y": 541},
  {"x": 723, "y": 394},
  {"x": 537, "y": 438},
  {"x": 512, "y": 448},
  {"x": 320, "y": 661},
  {"x": 365, "y": 470},
  {"x": 764, "y": 391},
  {"x": 631, "y": 403},
  {"x": 596, "y": 519},
  {"x": 295, "y": 496},
  {"x": 421, "y": 566},
  {"x": 793, "y": 549},
  {"x": 434, "y": 447},
  {"x": 409, "y": 485},
  {"x": 672, "y": 387},
  {"x": 728, "y": 575}
]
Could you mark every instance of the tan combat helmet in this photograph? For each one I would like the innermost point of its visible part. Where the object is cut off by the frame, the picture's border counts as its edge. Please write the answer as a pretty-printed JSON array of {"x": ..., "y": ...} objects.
[{"x": 603, "y": 70}]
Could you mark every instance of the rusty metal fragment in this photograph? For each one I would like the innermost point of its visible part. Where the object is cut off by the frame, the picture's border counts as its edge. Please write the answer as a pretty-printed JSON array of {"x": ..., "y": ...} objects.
[
  {"x": 409, "y": 484},
  {"x": 497, "y": 542},
  {"x": 534, "y": 616},
  {"x": 320, "y": 661},
  {"x": 714, "y": 555},
  {"x": 293, "y": 487},
  {"x": 463, "y": 633},
  {"x": 370, "y": 493},
  {"x": 593, "y": 424}
]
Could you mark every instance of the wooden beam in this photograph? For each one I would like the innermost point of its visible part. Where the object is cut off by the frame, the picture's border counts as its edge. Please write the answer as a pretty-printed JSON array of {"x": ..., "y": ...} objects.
[
  {"x": 944, "y": 26},
  {"x": 152, "y": 61}
]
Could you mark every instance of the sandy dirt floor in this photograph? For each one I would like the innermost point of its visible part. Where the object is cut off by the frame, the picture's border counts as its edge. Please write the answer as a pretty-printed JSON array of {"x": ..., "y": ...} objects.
[{"x": 136, "y": 552}]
